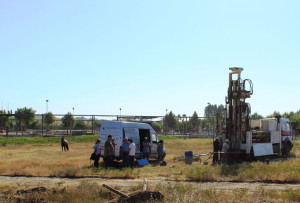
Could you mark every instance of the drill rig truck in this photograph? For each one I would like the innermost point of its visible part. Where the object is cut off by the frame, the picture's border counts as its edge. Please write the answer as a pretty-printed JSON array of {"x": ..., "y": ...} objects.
[{"x": 250, "y": 139}]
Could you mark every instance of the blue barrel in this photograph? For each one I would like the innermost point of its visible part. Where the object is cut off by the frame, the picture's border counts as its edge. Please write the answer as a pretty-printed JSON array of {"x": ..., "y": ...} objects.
[
  {"x": 189, "y": 157},
  {"x": 189, "y": 153}
]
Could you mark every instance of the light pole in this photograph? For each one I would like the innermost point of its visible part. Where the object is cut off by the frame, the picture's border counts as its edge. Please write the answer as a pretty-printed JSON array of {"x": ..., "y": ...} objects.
[
  {"x": 120, "y": 113},
  {"x": 166, "y": 122},
  {"x": 73, "y": 111},
  {"x": 47, "y": 106},
  {"x": 208, "y": 109}
]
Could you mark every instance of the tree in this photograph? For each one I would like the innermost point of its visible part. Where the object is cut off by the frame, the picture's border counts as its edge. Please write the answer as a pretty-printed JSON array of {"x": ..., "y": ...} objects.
[
  {"x": 220, "y": 108},
  {"x": 288, "y": 115},
  {"x": 204, "y": 124},
  {"x": 25, "y": 117},
  {"x": 256, "y": 116},
  {"x": 194, "y": 122},
  {"x": 170, "y": 121},
  {"x": 275, "y": 113},
  {"x": 212, "y": 110},
  {"x": 80, "y": 125},
  {"x": 295, "y": 121},
  {"x": 98, "y": 124},
  {"x": 49, "y": 118},
  {"x": 156, "y": 126},
  {"x": 34, "y": 125},
  {"x": 68, "y": 121},
  {"x": 4, "y": 122}
]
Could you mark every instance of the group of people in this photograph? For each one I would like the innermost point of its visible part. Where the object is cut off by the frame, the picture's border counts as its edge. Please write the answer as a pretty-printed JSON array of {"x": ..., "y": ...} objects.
[
  {"x": 220, "y": 148},
  {"x": 127, "y": 151}
]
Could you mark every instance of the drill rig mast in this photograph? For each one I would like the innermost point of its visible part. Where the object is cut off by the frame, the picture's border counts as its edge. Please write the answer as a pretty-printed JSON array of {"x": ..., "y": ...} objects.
[{"x": 237, "y": 112}]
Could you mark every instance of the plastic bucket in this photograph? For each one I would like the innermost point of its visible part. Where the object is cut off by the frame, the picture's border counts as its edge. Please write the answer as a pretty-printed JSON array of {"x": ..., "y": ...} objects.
[{"x": 189, "y": 160}]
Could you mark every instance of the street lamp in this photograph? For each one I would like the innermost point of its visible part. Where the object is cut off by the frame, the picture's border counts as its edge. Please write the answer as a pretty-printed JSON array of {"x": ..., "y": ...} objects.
[
  {"x": 47, "y": 106},
  {"x": 209, "y": 120},
  {"x": 166, "y": 111},
  {"x": 73, "y": 110},
  {"x": 120, "y": 113}
]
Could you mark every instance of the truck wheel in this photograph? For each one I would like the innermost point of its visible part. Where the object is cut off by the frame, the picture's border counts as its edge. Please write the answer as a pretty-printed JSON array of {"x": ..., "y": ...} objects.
[{"x": 287, "y": 148}]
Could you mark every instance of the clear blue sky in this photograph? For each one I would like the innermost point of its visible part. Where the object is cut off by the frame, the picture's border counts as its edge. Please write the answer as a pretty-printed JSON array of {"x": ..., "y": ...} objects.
[{"x": 147, "y": 56}]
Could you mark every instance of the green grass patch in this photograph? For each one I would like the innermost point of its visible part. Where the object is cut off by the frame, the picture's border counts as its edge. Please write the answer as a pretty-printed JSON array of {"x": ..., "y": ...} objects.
[
  {"x": 162, "y": 137},
  {"x": 45, "y": 140}
]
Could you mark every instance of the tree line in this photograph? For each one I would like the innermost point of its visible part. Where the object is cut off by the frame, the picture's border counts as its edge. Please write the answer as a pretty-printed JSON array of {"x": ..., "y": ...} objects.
[
  {"x": 24, "y": 119},
  {"x": 180, "y": 123}
]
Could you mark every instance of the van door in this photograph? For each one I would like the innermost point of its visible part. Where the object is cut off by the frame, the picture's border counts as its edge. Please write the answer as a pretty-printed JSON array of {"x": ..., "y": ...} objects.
[
  {"x": 144, "y": 133},
  {"x": 133, "y": 133},
  {"x": 155, "y": 140}
]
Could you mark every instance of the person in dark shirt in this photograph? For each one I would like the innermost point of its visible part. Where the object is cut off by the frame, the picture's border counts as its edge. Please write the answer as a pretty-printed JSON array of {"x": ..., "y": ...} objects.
[
  {"x": 97, "y": 149},
  {"x": 125, "y": 152},
  {"x": 216, "y": 145},
  {"x": 146, "y": 148},
  {"x": 161, "y": 151},
  {"x": 109, "y": 152}
]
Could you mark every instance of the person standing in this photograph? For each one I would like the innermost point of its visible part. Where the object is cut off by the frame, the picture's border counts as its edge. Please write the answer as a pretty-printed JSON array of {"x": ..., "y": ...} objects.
[
  {"x": 108, "y": 152},
  {"x": 146, "y": 148},
  {"x": 97, "y": 152},
  {"x": 125, "y": 152},
  {"x": 131, "y": 153},
  {"x": 161, "y": 151},
  {"x": 225, "y": 150},
  {"x": 216, "y": 145},
  {"x": 113, "y": 144}
]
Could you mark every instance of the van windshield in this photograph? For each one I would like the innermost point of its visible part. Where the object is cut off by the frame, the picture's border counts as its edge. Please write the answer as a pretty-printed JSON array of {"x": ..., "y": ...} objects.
[
  {"x": 155, "y": 138},
  {"x": 285, "y": 126}
]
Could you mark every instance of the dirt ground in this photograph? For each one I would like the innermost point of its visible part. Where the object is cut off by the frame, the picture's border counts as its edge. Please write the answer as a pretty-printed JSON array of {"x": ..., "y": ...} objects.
[{"x": 127, "y": 183}]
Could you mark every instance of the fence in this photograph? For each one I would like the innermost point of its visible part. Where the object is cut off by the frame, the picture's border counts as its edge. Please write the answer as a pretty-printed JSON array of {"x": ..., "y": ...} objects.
[{"x": 91, "y": 124}]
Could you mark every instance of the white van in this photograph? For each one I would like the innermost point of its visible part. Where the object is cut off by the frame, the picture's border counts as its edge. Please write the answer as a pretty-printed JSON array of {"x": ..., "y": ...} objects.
[{"x": 136, "y": 131}]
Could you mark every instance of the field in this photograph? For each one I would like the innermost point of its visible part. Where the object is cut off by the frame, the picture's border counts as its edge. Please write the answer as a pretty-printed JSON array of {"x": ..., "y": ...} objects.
[{"x": 29, "y": 157}]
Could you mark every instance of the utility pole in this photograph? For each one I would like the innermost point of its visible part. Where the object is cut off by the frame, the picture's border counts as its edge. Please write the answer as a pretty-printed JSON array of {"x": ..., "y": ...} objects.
[{"x": 47, "y": 106}]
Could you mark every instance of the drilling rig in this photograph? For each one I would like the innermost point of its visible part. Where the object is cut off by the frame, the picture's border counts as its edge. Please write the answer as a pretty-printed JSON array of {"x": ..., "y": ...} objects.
[
  {"x": 235, "y": 124},
  {"x": 273, "y": 136}
]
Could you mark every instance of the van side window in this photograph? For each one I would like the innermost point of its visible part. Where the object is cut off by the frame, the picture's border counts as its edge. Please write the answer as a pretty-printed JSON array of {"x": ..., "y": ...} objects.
[{"x": 154, "y": 138}]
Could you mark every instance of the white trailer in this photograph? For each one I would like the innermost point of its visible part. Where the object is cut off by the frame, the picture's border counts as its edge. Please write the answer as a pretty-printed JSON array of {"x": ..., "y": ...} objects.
[{"x": 136, "y": 131}]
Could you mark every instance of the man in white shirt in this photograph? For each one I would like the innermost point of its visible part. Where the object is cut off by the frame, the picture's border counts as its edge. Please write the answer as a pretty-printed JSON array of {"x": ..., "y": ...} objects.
[
  {"x": 131, "y": 149},
  {"x": 225, "y": 149}
]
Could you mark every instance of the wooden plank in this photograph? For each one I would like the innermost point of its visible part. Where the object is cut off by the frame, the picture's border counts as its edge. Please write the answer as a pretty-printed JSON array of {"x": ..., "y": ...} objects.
[
  {"x": 145, "y": 185},
  {"x": 115, "y": 191}
]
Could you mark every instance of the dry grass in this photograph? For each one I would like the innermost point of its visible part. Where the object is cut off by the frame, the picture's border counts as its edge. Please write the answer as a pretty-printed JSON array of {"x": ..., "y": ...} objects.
[
  {"x": 48, "y": 160},
  {"x": 92, "y": 192},
  {"x": 190, "y": 193}
]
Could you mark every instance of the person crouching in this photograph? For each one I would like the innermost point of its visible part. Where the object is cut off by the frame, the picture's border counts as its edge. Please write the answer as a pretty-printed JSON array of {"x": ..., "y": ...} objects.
[{"x": 161, "y": 151}]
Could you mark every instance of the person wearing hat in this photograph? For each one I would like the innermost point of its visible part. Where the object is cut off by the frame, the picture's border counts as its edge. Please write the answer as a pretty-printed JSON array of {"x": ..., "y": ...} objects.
[
  {"x": 125, "y": 152},
  {"x": 146, "y": 148},
  {"x": 225, "y": 150}
]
